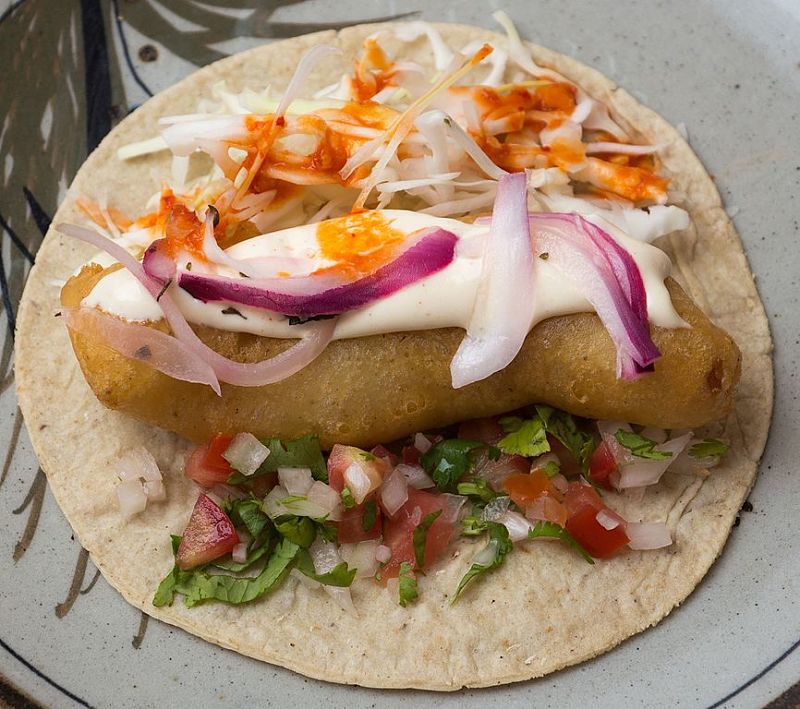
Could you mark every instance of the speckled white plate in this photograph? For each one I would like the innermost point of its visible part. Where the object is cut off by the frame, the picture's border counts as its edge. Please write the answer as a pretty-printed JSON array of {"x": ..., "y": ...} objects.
[{"x": 729, "y": 71}]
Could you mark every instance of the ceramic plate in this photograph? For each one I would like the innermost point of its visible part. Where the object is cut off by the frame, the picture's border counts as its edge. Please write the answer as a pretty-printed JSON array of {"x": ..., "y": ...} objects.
[{"x": 728, "y": 71}]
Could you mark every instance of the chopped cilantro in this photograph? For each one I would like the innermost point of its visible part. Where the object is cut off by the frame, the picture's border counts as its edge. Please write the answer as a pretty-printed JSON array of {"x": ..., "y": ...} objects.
[
  {"x": 447, "y": 461},
  {"x": 408, "y": 584},
  {"x": 421, "y": 535},
  {"x": 230, "y": 310},
  {"x": 301, "y": 320},
  {"x": 709, "y": 448},
  {"x": 340, "y": 575},
  {"x": 640, "y": 446},
  {"x": 526, "y": 437},
  {"x": 472, "y": 526},
  {"x": 329, "y": 532},
  {"x": 347, "y": 498},
  {"x": 490, "y": 557},
  {"x": 370, "y": 515},
  {"x": 302, "y": 452},
  {"x": 253, "y": 555},
  {"x": 551, "y": 529},
  {"x": 551, "y": 469},
  {"x": 477, "y": 488},
  {"x": 299, "y": 530},
  {"x": 563, "y": 427}
]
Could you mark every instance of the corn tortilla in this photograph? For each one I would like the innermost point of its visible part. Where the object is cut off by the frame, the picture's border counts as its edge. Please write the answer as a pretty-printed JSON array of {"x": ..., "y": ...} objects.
[{"x": 545, "y": 609}]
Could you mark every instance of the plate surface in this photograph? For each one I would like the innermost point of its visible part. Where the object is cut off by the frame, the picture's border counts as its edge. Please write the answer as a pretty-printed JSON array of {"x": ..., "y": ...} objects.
[{"x": 729, "y": 71}]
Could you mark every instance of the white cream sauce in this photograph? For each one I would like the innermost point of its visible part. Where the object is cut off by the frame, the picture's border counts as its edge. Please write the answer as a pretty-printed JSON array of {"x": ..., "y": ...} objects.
[{"x": 445, "y": 299}]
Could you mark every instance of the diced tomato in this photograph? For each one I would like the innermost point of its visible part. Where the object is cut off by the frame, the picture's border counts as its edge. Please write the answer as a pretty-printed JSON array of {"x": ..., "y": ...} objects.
[
  {"x": 485, "y": 430},
  {"x": 548, "y": 509},
  {"x": 342, "y": 457},
  {"x": 583, "y": 503},
  {"x": 206, "y": 466},
  {"x": 208, "y": 535},
  {"x": 398, "y": 532},
  {"x": 601, "y": 465},
  {"x": 496, "y": 471},
  {"x": 524, "y": 489},
  {"x": 351, "y": 526},
  {"x": 580, "y": 495},
  {"x": 594, "y": 537},
  {"x": 411, "y": 455},
  {"x": 384, "y": 453}
]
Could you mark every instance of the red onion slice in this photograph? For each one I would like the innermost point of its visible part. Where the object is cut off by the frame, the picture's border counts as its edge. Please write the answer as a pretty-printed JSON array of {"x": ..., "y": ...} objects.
[
  {"x": 288, "y": 362},
  {"x": 157, "y": 263},
  {"x": 609, "y": 279},
  {"x": 503, "y": 310},
  {"x": 143, "y": 344},
  {"x": 302, "y": 296}
]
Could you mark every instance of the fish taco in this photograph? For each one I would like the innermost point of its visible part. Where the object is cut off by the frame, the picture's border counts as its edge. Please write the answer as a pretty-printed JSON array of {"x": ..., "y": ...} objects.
[{"x": 411, "y": 355}]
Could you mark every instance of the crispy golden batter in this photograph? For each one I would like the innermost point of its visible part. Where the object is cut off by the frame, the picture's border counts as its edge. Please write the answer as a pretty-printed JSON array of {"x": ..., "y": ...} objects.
[{"x": 371, "y": 389}]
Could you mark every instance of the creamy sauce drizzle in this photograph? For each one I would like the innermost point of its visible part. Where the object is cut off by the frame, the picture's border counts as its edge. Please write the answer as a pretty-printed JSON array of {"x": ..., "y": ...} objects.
[{"x": 445, "y": 299}]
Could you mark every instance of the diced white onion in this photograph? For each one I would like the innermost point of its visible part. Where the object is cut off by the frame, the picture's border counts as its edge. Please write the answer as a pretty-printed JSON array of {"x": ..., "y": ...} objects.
[
  {"x": 641, "y": 471},
  {"x": 246, "y": 453},
  {"x": 383, "y": 554},
  {"x": 327, "y": 499},
  {"x": 297, "y": 481},
  {"x": 455, "y": 505},
  {"x": 416, "y": 476},
  {"x": 659, "y": 435},
  {"x": 648, "y": 535},
  {"x": 155, "y": 490},
  {"x": 325, "y": 556},
  {"x": 560, "y": 483},
  {"x": 394, "y": 492},
  {"x": 358, "y": 482},
  {"x": 131, "y": 497},
  {"x": 606, "y": 521},
  {"x": 239, "y": 553},
  {"x": 421, "y": 443},
  {"x": 495, "y": 509},
  {"x": 228, "y": 492},
  {"x": 306, "y": 581},
  {"x": 361, "y": 556},
  {"x": 272, "y": 505},
  {"x": 516, "y": 525},
  {"x": 138, "y": 463}
]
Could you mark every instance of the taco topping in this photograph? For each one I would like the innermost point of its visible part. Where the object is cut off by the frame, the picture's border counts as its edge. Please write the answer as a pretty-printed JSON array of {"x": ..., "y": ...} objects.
[
  {"x": 539, "y": 475},
  {"x": 263, "y": 243}
]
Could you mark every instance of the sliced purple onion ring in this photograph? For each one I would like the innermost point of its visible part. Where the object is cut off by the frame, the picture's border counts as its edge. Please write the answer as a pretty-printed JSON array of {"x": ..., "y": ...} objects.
[
  {"x": 275, "y": 369},
  {"x": 308, "y": 296},
  {"x": 608, "y": 278},
  {"x": 158, "y": 264},
  {"x": 504, "y": 305},
  {"x": 144, "y": 344}
]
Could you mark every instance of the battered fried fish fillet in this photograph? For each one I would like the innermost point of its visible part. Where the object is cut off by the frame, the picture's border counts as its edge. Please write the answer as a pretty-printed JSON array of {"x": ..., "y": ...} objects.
[{"x": 367, "y": 390}]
